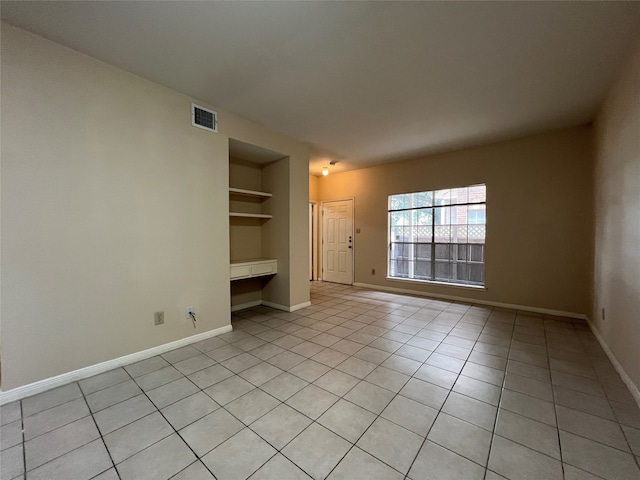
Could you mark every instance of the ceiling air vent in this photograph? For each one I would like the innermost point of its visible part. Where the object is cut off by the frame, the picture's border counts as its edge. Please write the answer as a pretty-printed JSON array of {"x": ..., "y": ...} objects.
[{"x": 204, "y": 118}]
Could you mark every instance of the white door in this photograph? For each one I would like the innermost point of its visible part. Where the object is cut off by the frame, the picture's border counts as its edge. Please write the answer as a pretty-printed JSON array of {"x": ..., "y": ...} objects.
[{"x": 337, "y": 241}]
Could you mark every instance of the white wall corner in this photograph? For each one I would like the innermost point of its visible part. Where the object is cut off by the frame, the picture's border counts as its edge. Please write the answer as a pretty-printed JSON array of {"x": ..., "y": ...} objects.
[
  {"x": 633, "y": 388},
  {"x": 285, "y": 308}
]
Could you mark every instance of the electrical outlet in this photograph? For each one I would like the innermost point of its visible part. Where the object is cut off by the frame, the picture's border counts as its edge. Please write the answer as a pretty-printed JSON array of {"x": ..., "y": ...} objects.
[
  {"x": 188, "y": 312},
  {"x": 373, "y": 271},
  {"x": 158, "y": 318},
  {"x": 603, "y": 314}
]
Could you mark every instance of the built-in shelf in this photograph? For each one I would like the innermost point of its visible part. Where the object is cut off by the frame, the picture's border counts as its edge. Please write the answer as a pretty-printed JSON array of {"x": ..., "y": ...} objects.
[
  {"x": 251, "y": 268},
  {"x": 249, "y": 193},
  {"x": 250, "y": 215}
]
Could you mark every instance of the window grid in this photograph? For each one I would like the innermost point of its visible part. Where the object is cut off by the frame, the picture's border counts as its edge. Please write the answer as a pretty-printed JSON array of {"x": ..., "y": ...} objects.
[{"x": 438, "y": 235}]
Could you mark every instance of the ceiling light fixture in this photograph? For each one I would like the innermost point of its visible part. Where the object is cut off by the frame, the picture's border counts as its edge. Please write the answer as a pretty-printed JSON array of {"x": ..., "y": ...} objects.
[{"x": 325, "y": 170}]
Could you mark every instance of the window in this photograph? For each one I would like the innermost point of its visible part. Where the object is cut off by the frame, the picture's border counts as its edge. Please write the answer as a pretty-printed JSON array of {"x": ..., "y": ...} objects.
[{"x": 438, "y": 235}]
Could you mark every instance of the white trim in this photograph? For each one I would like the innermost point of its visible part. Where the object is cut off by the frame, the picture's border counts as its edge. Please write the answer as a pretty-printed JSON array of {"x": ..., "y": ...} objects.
[
  {"x": 243, "y": 306},
  {"x": 633, "y": 388},
  {"x": 525, "y": 308},
  {"x": 417, "y": 281},
  {"x": 37, "y": 387},
  {"x": 278, "y": 306},
  {"x": 300, "y": 306},
  {"x": 292, "y": 308}
]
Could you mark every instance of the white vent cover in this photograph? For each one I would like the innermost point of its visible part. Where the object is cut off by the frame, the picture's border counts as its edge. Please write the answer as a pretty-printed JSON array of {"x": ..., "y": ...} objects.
[{"x": 204, "y": 118}]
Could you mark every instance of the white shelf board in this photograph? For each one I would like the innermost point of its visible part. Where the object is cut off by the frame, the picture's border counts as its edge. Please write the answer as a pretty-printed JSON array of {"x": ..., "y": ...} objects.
[
  {"x": 250, "y": 215},
  {"x": 252, "y": 261},
  {"x": 249, "y": 193},
  {"x": 251, "y": 268}
]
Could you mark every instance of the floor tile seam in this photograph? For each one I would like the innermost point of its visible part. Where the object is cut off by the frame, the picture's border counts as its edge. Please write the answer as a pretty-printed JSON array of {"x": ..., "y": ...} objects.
[
  {"x": 487, "y": 353},
  {"x": 487, "y": 366},
  {"x": 52, "y": 407},
  {"x": 24, "y": 449},
  {"x": 73, "y": 450},
  {"x": 581, "y": 469},
  {"x": 530, "y": 447},
  {"x": 576, "y": 375},
  {"x": 485, "y": 466},
  {"x": 555, "y": 412},
  {"x": 177, "y": 379},
  {"x": 165, "y": 419},
  {"x": 104, "y": 388},
  {"x": 100, "y": 436},
  {"x": 377, "y": 416},
  {"x": 171, "y": 426},
  {"x": 570, "y": 407},
  {"x": 148, "y": 446},
  {"x": 472, "y": 397},
  {"x": 556, "y": 403},
  {"x": 255, "y": 420},
  {"x": 27, "y": 440},
  {"x": 429, "y": 431},
  {"x": 21, "y": 441},
  {"x": 495, "y": 422},
  {"x": 281, "y": 451},
  {"x": 628, "y": 452},
  {"x": 199, "y": 458}
]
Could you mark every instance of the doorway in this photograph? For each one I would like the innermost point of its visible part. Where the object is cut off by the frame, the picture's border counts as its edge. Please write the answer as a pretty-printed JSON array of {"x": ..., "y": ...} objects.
[
  {"x": 337, "y": 241},
  {"x": 313, "y": 241}
]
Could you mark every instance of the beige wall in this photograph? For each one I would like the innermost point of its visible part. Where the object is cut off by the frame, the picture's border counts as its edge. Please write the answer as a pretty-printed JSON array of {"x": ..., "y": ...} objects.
[
  {"x": 313, "y": 188},
  {"x": 114, "y": 207},
  {"x": 538, "y": 209},
  {"x": 617, "y": 220}
]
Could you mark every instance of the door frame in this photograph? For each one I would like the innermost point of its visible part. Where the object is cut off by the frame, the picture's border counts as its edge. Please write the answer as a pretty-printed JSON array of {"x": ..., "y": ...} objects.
[
  {"x": 353, "y": 237},
  {"x": 313, "y": 254}
]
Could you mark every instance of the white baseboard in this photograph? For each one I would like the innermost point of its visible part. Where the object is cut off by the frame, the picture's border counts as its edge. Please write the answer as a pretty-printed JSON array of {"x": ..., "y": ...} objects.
[
  {"x": 48, "y": 383},
  {"x": 278, "y": 306},
  {"x": 524, "y": 308},
  {"x": 292, "y": 308},
  {"x": 243, "y": 306},
  {"x": 633, "y": 388}
]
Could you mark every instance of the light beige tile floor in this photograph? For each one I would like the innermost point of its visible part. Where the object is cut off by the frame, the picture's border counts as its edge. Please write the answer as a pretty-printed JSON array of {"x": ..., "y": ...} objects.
[{"x": 362, "y": 384}]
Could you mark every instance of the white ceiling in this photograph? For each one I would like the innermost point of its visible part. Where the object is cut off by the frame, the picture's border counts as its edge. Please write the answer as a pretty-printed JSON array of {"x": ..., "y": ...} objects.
[{"x": 363, "y": 82}]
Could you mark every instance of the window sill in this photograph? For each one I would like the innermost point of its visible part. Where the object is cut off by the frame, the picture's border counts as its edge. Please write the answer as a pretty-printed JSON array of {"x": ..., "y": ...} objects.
[{"x": 439, "y": 284}]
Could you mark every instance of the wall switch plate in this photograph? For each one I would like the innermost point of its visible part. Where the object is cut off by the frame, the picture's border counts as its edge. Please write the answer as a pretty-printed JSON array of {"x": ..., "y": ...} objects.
[
  {"x": 188, "y": 312},
  {"x": 158, "y": 318}
]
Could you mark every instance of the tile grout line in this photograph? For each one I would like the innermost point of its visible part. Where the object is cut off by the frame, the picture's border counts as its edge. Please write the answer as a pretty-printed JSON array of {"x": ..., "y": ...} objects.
[
  {"x": 198, "y": 459},
  {"x": 502, "y": 388},
  {"x": 426, "y": 437},
  {"x": 555, "y": 408}
]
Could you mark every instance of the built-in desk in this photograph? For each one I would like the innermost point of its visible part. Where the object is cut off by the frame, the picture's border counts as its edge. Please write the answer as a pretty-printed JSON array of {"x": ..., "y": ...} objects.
[{"x": 254, "y": 267}]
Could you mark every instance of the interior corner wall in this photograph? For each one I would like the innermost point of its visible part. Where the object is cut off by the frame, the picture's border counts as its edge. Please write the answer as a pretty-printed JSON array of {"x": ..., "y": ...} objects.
[
  {"x": 275, "y": 179},
  {"x": 538, "y": 243},
  {"x": 313, "y": 188},
  {"x": 617, "y": 221},
  {"x": 113, "y": 207}
]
